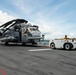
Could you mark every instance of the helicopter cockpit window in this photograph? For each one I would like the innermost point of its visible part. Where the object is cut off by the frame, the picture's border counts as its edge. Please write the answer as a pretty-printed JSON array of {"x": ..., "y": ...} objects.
[
  {"x": 33, "y": 29},
  {"x": 17, "y": 27}
]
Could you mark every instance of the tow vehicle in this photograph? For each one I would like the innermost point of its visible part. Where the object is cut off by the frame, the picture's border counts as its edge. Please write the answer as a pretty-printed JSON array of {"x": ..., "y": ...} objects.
[{"x": 65, "y": 43}]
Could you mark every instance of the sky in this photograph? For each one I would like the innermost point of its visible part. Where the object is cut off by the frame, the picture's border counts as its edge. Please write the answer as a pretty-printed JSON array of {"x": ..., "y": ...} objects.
[{"x": 55, "y": 18}]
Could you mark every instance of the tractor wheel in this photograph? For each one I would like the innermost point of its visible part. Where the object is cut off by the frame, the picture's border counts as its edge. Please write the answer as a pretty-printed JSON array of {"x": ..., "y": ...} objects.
[
  {"x": 68, "y": 46},
  {"x": 52, "y": 46}
]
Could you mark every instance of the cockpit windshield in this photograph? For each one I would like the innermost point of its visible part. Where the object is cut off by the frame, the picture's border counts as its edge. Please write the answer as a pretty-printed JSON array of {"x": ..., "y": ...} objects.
[{"x": 33, "y": 29}]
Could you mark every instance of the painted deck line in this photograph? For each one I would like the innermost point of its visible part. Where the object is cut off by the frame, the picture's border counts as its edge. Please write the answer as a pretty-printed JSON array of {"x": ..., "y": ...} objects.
[{"x": 39, "y": 49}]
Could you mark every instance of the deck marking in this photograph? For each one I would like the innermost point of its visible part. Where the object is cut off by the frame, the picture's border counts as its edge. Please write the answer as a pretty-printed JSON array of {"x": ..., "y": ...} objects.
[
  {"x": 2, "y": 72},
  {"x": 39, "y": 49}
]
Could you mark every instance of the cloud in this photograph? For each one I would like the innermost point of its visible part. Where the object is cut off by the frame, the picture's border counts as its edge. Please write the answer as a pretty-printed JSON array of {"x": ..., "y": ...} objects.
[
  {"x": 5, "y": 17},
  {"x": 28, "y": 7},
  {"x": 48, "y": 28},
  {"x": 73, "y": 35},
  {"x": 23, "y": 6},
  {"x": 51, "y": 17},
  {"x": 52, "y": 28}
]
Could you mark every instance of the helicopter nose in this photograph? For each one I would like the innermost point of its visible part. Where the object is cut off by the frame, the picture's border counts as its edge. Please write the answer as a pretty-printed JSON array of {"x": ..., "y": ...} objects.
[{"x": 36, "y": 33}]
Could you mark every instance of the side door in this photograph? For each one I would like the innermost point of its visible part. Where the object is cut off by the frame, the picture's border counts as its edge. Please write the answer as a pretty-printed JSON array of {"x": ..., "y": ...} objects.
[{"x": 59, "y": 43}]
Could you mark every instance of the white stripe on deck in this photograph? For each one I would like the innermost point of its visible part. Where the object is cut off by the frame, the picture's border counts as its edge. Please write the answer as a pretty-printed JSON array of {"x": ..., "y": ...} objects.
[{"x": 39, "y": 49}]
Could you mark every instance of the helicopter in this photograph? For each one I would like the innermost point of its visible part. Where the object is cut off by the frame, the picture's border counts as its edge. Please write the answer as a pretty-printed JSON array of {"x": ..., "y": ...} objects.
[{"x": 19, "y": 31}]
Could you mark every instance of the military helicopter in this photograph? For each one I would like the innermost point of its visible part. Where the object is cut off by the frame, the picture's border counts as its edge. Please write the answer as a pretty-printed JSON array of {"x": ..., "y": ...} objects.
[{"x": 20, "y": 31}]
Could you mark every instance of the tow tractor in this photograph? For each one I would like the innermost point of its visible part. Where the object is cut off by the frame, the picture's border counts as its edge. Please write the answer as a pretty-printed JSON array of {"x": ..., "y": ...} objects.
[{"x": 65, "y": 43}]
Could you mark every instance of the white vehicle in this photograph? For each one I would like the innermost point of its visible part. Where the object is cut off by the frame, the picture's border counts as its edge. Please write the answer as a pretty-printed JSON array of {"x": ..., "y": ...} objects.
[{"x": 65, "y": 43}]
